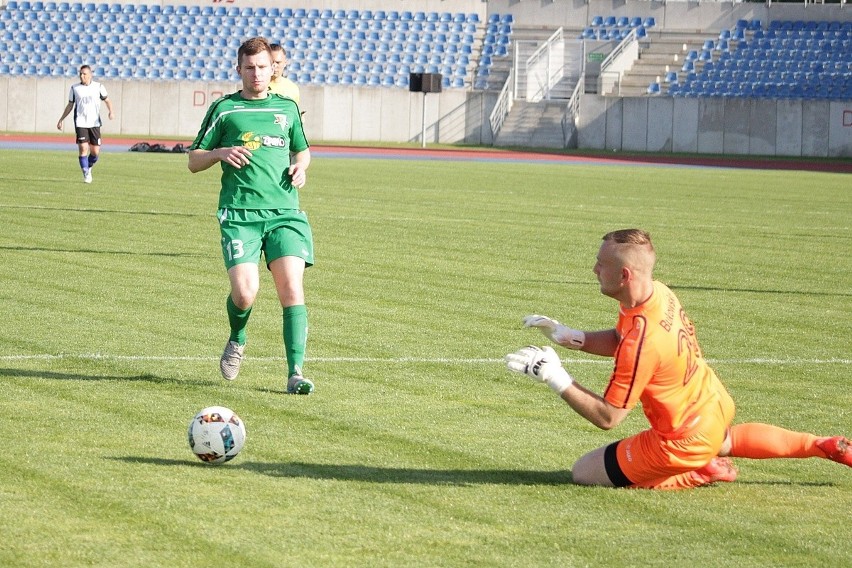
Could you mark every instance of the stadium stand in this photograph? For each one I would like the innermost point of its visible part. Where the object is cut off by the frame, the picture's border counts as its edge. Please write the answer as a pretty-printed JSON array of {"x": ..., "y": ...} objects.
[
  {"x": 787, "y": 60},
  {"x": 165, "y": 43}
]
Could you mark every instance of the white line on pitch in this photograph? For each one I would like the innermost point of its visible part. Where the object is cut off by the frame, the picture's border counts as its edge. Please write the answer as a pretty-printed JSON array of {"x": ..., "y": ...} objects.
[{"x": 441, "y": 360}]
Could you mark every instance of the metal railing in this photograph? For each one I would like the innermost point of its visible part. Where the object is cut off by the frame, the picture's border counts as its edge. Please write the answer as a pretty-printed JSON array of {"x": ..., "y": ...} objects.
[
  {"x": 550, "y": 58},
  {"x": 504, "y": 103},
  {"x": 610, "y": 60},
  {"x": 572, "y": 114}
]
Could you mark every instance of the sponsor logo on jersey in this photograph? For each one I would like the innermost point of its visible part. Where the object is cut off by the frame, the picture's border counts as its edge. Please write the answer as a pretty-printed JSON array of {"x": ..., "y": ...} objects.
[
  {"x": 254, "y": 141},
  {"x": 250, "y": 140},
  {"x": 282, "y": 120}
]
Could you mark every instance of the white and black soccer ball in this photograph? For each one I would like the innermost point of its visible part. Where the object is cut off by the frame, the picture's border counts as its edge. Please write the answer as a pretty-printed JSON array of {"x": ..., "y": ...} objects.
[{"x": 216, "y": 434}]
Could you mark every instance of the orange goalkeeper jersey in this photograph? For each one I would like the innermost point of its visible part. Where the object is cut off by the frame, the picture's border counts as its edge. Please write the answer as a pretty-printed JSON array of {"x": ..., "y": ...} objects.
[{"x": 658, "y": 362}]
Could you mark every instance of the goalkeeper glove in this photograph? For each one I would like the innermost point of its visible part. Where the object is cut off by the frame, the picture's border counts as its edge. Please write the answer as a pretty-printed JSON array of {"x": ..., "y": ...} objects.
[
  {"x": 556, "y": 332},
  {"x": 542, "y": 364}
]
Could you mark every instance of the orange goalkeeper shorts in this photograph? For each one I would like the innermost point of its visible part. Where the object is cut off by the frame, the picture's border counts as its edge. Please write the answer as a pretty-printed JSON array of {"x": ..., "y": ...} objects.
[{"x": 650, "y": 455}]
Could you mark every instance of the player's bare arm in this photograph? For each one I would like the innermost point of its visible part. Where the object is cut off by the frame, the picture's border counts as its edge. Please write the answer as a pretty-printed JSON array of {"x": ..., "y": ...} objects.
[
  {"x": 298, "y": 168},
  {"x": 603, "y": 343},
  {"x": 593, "y": 407},
  {"x": 542, "y": 364},
  {"x": 65, "y": 113},
  {"x": 236, "y": 156}
]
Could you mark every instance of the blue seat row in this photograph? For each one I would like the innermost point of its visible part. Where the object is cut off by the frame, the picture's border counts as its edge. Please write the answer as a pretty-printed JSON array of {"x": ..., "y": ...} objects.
[
  {"x": 235, "y": 11},
  {"x": 772, "y": 64},
  {"x": 38, "y": 21},
  {"x": 611, "y": 34},
  {"x": 809, "y": 25},
  {"x": 622, "y": 22},
  {"x": 759, "y": 90},
  {"x": 844, "y": 43}
]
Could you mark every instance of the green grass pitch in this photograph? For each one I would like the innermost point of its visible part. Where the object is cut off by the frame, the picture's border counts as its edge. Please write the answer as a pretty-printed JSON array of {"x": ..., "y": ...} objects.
[{"x": 418, "y": 447}]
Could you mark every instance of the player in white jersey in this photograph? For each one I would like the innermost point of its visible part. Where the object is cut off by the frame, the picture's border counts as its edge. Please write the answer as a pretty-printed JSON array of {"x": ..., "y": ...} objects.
[{"x": 85, "y": 98}]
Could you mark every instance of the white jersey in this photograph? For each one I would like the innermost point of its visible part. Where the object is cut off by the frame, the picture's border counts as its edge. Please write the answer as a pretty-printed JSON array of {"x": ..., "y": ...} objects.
[{"x": 87, "y": 104}]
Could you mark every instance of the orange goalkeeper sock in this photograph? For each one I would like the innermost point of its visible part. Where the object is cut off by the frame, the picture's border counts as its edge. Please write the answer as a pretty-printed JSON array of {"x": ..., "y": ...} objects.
[{"x": 761, "y": 441}]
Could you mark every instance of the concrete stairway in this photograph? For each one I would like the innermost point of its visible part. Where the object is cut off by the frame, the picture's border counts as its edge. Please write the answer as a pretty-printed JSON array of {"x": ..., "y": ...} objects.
[
  {"x": 537, "y": 125},
  {"x": 663, "y": 52}
]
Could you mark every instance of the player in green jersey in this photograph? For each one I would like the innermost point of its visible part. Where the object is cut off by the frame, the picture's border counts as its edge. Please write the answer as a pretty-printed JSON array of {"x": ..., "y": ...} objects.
[{"x": 251, "y": 134}]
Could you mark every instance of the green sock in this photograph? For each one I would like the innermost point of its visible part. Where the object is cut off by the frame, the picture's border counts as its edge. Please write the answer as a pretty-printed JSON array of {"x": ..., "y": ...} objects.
[
  {"x": 295, "y": 337},
  {"x": 238, "y": 319}
]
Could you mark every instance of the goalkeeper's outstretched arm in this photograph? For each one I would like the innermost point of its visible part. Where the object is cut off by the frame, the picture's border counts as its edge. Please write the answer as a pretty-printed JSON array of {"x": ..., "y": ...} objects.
[
  {"x": 603, "y": 343},
  {"x": 593, "y": 407},
  {"x": 543, "y": 365}
]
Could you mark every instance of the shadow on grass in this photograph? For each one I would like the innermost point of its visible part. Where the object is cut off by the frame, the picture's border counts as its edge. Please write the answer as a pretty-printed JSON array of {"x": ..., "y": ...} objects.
[
  {"x": 109, "y": 211},
  {"x": 374, "y": 474},
  {"x": 101, "y": 251},
  {"x": 78, "y": 377},
  {"x": 789, "y": 483},
  {"x": 589, "y": 283},
  {"x": 756, "y": 291},
  {"x": 405, "y": 475}
]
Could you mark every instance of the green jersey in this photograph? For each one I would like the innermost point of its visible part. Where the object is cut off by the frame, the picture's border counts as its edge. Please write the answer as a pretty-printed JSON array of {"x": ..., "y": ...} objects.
[{"x": 271, "y": 128}]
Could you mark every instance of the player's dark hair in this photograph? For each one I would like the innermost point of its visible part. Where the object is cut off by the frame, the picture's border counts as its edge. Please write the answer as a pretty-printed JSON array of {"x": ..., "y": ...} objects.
[{"x": 253, "y": 46}]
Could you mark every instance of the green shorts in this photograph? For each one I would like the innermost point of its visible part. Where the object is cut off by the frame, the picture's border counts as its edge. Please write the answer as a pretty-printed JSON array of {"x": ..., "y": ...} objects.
[{"x": 275, "y": 232}]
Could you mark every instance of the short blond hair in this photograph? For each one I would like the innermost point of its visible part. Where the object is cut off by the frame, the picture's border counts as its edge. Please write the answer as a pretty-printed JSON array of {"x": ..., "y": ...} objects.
[{"x": 633, "y": 249}]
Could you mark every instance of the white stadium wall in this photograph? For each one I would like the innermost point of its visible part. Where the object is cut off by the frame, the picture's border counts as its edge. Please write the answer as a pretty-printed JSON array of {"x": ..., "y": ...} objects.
[
  {"x": 175, "y": 109},
  {"x": 734, "y": 126},
  {"x": 151, "y": 109}
]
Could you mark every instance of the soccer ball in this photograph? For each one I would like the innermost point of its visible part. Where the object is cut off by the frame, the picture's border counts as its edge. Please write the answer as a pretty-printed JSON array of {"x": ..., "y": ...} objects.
[{"x": 216, "y": 434}]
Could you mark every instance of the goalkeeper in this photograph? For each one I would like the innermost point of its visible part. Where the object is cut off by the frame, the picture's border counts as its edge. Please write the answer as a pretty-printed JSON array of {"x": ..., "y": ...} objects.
[{"x": 658, "y": 362}]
